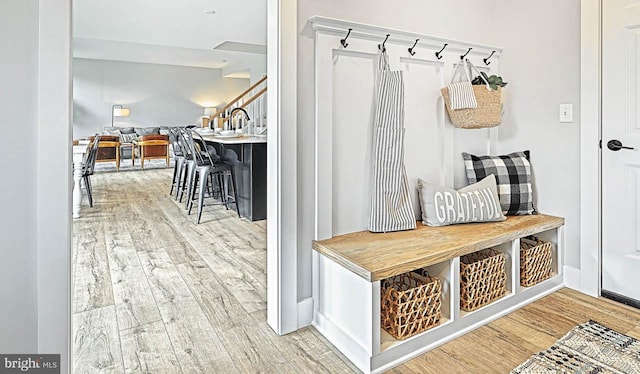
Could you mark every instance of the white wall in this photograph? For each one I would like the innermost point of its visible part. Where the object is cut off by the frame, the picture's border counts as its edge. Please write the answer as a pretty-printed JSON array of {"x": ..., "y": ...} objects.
[
  {"x": 158, "y": 95},
  {"x": 532, "y": 101},
  {"x": 18, "y": 217},
  {"x": 542, "y": 65}
]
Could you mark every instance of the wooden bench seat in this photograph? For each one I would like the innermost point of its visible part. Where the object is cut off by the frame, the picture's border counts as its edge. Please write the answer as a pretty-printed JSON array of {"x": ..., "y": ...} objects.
[{"x": 376, "y": 256}]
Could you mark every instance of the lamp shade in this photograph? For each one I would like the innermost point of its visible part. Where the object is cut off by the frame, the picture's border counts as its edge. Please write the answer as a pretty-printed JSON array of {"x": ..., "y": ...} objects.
[
  {"x": 210, "y": 110},
  {"x": 120, "y": 112}
]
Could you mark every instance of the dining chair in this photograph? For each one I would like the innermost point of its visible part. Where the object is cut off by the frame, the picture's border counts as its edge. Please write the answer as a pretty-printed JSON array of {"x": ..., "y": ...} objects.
[{"x": 88, "y": 166}]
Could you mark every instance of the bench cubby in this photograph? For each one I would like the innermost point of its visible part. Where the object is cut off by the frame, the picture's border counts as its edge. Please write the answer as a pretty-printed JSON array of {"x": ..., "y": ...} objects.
[{"x": 348, "y": 270}]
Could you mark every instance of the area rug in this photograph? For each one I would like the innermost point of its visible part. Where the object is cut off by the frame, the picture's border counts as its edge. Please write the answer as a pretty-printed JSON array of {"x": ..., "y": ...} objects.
[
  {"x": 125, "y": 165},
  {"x": 588, "y": 348}
]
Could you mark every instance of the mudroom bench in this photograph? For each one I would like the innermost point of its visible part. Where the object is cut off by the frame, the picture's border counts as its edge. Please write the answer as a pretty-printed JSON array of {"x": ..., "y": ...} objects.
[{"x": 349, "y": 269}]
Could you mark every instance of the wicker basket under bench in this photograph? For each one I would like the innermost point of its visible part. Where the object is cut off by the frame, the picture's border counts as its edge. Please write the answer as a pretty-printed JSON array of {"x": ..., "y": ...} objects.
[
  {"x": 535, "y": 261},
  {"x": 483, "y": 278},
  {"x": 377, "y": 328},
  {"x": 410, "y": 303}
]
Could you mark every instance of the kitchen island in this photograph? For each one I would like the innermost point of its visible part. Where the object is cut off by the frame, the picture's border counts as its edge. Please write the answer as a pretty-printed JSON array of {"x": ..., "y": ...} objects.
[{"x": 248, "y": 154}]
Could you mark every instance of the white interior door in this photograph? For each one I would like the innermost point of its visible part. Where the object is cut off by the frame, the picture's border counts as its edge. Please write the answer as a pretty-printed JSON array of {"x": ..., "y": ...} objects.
[{"x": 620, "y": 150}]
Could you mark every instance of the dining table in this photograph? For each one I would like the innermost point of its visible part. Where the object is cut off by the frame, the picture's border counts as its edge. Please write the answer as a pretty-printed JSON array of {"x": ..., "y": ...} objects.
[{"x": 79, "y": 151}]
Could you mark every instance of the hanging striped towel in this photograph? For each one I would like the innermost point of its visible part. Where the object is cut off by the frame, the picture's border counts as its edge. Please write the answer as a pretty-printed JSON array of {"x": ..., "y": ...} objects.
[
  {"x": 391, "y": 207},
  {"x": 461, "y": 96}
]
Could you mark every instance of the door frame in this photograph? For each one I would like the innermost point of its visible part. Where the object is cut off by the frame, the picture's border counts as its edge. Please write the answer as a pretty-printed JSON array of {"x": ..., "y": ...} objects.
[
  {"x": 282, "y": 251},
  {"x": 55, "y": 330},
  {"x": 590, "y": 177}
]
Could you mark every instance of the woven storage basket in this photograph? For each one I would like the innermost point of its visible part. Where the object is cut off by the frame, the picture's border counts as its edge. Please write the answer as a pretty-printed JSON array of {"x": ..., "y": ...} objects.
[
  {"x": 487, "y": 114},
  {"x": 410, "y": 304},
  {"x": 482, "y": 278},
  {"x": 535, "y": 261}
]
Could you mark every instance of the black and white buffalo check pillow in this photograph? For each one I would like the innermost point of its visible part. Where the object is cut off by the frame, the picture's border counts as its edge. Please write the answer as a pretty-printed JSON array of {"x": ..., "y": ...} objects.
[{"x": 513, "y": 176}]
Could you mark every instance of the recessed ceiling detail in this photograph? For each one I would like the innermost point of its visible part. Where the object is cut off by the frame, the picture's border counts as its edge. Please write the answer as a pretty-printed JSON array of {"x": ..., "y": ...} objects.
[
  {"x": 102, "y": 30},
  {"x": 243, "y": 74},
  {"x": 242, "y": 47}
]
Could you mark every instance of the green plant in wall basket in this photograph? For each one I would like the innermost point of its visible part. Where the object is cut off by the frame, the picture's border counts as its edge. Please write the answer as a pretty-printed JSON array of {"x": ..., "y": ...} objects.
[{"x": 494, "y": 81}]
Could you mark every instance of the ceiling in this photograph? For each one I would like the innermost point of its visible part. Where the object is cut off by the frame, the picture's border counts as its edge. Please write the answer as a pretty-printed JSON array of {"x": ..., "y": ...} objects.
[{"x": 170, "y": 32}]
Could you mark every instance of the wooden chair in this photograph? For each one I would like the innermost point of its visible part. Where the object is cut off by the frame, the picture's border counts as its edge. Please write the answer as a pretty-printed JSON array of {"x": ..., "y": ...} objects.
[
  {"x": 108, "y": 149},
  {"x": 153, "y": 147}
]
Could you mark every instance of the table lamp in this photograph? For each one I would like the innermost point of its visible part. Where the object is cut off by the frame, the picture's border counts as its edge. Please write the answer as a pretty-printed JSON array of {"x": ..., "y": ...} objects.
[
  {"x": 208, "y": 111},
  {"x": 118, "y": 111}
]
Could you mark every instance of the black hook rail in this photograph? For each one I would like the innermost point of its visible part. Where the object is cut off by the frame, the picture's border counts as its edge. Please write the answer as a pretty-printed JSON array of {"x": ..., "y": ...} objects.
[
  {"x": 486, "y": 60},
  {"x": 381, "y": 46},
  {"x": 344, "y": 41},
  {"x": 439, "y": 53},
  {"x": 411, "y": 50},
  {"x": 465, "y": 55}
]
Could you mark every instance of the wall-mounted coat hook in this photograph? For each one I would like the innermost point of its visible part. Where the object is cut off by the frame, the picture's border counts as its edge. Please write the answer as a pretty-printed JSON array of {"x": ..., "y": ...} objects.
[
  {"x": 411, "y": 51},
  {"x": 465, "y": 55},
  {"x": 439, "y": 53},
  {"x": 486, "y": 60},
  {"x": 344, "y": 41},
  {"x": 381, "y": 46}
]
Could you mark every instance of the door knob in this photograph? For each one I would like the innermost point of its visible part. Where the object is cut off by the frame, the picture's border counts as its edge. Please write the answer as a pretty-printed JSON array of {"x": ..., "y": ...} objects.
[{"x": 616, "y": 145}]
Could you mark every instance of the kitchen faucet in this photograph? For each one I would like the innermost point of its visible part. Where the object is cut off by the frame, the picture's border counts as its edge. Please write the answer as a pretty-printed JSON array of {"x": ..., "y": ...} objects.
[{"x": 233, "y": 111}]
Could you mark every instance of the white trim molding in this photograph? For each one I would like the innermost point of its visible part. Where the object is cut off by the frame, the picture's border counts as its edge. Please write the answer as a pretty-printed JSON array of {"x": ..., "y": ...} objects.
[
  {"x": 53, "y": 198},
  {"x": 363, "y": 31},
  {"x": 305, "y": 312},
  {"x": 590, "y": 98},
  {"x": 572, "y": 277},
  {"x": 282, "y": 263}
]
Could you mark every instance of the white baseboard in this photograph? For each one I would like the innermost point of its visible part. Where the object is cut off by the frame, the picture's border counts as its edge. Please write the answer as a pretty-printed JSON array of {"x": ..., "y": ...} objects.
[
  {"x": 572, "y": 277},
  {"x": 344, "y": 341},
  {"x": 305, "y": 312}
]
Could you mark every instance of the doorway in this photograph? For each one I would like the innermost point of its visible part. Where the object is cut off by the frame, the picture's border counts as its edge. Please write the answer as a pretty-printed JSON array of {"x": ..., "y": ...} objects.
[{"x": 277, "y": 152}]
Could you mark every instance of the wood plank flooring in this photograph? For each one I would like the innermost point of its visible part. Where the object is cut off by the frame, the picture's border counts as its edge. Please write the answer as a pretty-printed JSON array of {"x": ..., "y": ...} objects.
[{"x": 155, "y": 293}]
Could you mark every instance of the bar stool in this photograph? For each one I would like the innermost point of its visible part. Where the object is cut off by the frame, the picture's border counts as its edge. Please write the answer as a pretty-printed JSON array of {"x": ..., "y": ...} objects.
[
  {"x": 206, "y": 175},
  {"x": 178, "y": 156},
  {"x": 192, "y": 158}
]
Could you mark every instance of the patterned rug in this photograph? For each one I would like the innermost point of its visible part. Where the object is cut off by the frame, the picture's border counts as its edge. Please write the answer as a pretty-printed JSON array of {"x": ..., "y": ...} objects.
[{"x": 588, "y": 348}]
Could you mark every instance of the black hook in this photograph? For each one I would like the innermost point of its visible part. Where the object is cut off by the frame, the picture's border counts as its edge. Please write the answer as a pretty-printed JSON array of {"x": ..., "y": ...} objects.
[
  {"x": 411, "y": 51},
  {"x": 438, "y": 54},
  {"x": 465, "y": 55},
  {"x": 382, "y": 48},
  {"x": 486, "y": 60},
  {"x": 344, "y": 41}
]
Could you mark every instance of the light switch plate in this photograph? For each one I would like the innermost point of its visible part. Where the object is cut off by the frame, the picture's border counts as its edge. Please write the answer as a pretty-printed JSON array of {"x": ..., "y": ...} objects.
[{"x": 566, "y": 113}]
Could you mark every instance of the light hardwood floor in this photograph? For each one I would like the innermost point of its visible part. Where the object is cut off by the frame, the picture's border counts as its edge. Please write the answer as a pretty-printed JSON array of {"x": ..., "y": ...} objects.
[{"x": 153, "y": 292}]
